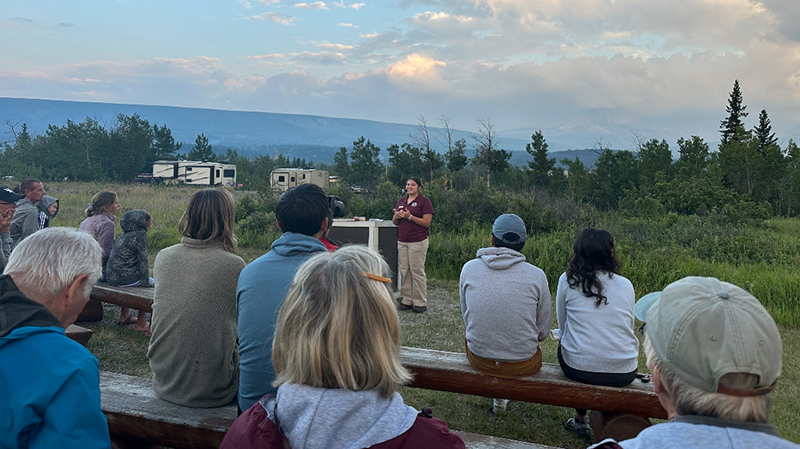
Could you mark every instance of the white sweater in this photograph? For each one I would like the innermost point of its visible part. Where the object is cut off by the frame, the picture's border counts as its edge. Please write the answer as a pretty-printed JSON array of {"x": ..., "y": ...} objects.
[{"x": 598, "y": 339}]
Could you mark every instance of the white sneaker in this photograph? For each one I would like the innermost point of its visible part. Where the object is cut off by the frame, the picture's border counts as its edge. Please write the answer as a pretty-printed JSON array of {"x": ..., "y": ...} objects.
[{"x": 499, "y": 406}]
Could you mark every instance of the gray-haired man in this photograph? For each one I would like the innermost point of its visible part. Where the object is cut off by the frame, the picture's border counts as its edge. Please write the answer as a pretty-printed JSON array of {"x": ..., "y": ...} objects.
[
  {"x": 715, "y": 356},
  {"x": 49, "y": 384}
]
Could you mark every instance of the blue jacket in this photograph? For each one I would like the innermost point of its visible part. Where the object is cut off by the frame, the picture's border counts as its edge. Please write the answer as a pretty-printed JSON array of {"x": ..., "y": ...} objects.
[
  {"x": 49, "y": 384},
  {"x": 259, "y": 296}
]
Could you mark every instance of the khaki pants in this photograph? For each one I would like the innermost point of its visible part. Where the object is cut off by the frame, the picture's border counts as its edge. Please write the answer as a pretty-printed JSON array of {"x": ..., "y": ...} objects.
[
  {"x": 411, "y": 265},
  {"x": 508, "y": 370}
]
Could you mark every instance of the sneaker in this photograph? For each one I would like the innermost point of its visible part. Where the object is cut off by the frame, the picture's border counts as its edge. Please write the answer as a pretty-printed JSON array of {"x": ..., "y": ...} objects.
[
  {"x": 579, "y": 428},
  {"x": 419, "y": 309},
  {"x": 499, "y": 406},
  {"x": 404, "y": 306}
]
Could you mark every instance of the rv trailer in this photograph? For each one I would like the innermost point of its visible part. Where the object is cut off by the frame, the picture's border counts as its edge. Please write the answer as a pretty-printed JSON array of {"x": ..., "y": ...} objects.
[
  {"x": 195, "y": 173},
  {"x": 282, "y": 179}
]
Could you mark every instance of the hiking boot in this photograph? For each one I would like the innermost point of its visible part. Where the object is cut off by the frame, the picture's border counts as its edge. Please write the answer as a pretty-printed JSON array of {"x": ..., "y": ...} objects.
[
  {"x": 404, "y": 306},
  {"x": 499, "y": 406},
  {"x": 419, "y": 309},
  {"x": 579, "y": 428}
]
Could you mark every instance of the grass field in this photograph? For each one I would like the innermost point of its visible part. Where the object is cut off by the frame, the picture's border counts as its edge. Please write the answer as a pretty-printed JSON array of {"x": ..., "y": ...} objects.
[{"x": 762, "y": 258}]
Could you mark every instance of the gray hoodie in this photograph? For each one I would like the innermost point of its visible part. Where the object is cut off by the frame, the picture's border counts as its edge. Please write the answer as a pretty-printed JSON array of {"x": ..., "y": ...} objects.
[
  {"x": 505, "y": 303},
  {"x": 312, "y": 418},
  {"x": 44, "y": 213}
]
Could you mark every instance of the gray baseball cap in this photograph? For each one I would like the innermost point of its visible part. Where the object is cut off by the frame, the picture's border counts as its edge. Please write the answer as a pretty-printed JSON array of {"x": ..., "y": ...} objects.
[
  {"x": 703, "y": 328},
  {"x": 509, "y": 224}
]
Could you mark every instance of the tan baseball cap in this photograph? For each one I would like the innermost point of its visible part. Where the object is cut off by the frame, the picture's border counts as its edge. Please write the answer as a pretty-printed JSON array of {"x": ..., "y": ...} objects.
[{"x": 703, "y": 328}]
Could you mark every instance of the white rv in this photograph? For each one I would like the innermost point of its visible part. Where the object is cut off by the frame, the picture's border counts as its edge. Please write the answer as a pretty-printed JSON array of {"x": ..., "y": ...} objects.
[
  {"x": 195, "y": 173},
  {"x": 282, "y": 179}
]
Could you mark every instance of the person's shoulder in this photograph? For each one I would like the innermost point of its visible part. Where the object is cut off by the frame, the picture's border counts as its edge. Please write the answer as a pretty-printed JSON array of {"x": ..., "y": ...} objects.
[{"x": 426, "y": 432}]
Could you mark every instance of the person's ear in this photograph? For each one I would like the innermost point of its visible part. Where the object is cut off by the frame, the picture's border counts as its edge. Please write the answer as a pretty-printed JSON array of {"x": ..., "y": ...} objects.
[
  {"x": 662, "y": 393},
  {"x": 75, "y": 290},
  {"x": 492, "y": 237},
  {"x": 324, "y": 226},
  {"x": 278, "y": 224}
]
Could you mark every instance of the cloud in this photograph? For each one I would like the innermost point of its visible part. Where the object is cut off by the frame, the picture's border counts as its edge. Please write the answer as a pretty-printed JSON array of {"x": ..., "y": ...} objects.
[
  {"x": 320, "y": 6},
  {"x": 330, "y": 46},
  {"x": 246, "y": 4},
  {"x": 355, "y": 6},
  {"x": 65, "y": 25},
  {"x": 20, "y": 19},
  {"x": 417, "y": 71},
  {"x": 321, "y": 58},
  {"x": 346, "y": 25},
  {"x": 369, "y": 35},
  {"x": 276, "y": 17},
  {"x": 268, "y": 2}
]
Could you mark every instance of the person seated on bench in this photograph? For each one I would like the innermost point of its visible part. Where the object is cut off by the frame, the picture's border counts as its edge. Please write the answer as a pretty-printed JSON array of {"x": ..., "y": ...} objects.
[
  {"x": 336, "y": 354},
  {"x": 715, "y": 355},
  {"x": 127, "y": 264},
  {"x": 505, "y": 303},
  {"x": 594, "y": 307},
  {"x": 49, "y": 384},
  {"x": 193, "y": 353},
  {"x": 302, "y": 213}
]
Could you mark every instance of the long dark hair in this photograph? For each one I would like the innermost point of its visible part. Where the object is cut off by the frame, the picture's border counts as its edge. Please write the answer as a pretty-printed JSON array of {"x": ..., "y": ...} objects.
[{"x": 593, "y": 252}]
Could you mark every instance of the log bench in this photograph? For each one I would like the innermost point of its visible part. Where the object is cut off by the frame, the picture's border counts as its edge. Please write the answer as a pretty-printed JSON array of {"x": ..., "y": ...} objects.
[
  {"x": 137, "y": 418},
  {"x": 139, "y": 298},
  {"x": 618, "y": 413},
  {"x": 79, "y": 334}
]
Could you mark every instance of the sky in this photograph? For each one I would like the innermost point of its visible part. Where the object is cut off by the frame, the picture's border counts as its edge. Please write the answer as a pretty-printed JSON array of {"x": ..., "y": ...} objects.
[{"x": 521, "y": 64}]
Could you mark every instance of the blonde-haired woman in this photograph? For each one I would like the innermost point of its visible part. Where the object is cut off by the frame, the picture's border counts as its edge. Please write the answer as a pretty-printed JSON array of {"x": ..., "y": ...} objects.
[
  {"x": 193, "y": 352},
  {"x": 336, "y": 355}
]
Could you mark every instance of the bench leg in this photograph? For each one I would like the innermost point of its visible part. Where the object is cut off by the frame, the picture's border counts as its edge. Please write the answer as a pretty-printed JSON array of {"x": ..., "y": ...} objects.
[
  {"x": 93, "y": 311},
  {"x": 619, "y": 426}
]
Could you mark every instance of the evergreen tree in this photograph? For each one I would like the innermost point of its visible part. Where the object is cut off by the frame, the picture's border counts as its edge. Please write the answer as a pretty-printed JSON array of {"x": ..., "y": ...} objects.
[
  {"x": 341, "y": 166},
  {"x": 541, "y": 168},
  {"x": 365, "y": 166},
  {"x": 201, "y": 151},
  {"x": 487, "y": 153},
  {"x": 654, "y": 157},
  {"x": 693, "y": 156},
  {"x": 763, "y": 131},
  {"x": 164, "y": 146},
  {"x": 736, "y": 112}
]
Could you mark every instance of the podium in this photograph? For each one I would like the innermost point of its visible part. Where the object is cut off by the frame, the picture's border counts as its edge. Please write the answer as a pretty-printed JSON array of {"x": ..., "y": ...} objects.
[{"x": 378, "y": 235}]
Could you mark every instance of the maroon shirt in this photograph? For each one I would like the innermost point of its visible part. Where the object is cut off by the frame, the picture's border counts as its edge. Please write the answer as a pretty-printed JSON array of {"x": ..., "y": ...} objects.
[{"x": 408, "y": 231}]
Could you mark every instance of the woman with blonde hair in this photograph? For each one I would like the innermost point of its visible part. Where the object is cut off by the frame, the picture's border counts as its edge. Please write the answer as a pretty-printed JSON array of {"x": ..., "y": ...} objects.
[
  {"x": 336, "y": 355},
  {"x": 193, "y": 352}
]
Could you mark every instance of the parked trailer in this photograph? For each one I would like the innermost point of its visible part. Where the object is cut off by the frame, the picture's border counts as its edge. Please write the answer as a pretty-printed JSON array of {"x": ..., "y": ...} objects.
[
  {"x": 195, "y": 173},
  {"x": 282, "y": 179}
]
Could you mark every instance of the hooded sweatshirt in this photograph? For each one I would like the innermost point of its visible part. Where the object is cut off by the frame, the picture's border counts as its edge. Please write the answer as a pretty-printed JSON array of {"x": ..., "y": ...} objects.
[
  {"x": 44, "y": 213},
  {"x": 24, "y": 223},
  {"x": 127, "y": 262},
  {"x": 49, "y": 384},
  {"x": 319, "y": 418},
  {"x": 505, "y": 303},
  {"x": 259, "y": 296}
]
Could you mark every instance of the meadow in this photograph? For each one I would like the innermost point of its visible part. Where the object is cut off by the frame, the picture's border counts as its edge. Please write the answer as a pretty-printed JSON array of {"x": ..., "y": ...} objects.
[{"x": 761, "y": 256}]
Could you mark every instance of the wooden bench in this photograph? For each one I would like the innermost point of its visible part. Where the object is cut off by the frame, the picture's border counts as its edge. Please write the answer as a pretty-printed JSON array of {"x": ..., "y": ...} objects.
[
  {"x": 139, "y": 298},
  {"x": 618, "y": 413},
  {"x": 79, "y": 334},
  {"x": 137, "y": 418}
]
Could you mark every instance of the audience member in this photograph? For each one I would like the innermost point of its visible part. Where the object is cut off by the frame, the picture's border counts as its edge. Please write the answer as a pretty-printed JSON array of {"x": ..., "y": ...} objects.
[
  {"x": 302, "y": 214},
  {"x": 715, "y": 356},
  {"x": 594, "y": 307},
  {"x": 337, "y": 359},
  {"x": 505, "y": 303},
  {"x": 128, "y": 265},
  {"x": 99, "y": 223},
  {"x": 8, "y": 204},
  {"x": 48, "y": 209},
  {"x": 50, "y": 384},
  {"x": 26, "y": 218},
  {"x": 194, "y": 307}
]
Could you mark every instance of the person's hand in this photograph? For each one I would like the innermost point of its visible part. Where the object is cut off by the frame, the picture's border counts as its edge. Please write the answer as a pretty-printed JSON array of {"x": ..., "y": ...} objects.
[
  {"x": 398, "y": 214},
  {"x": 5, "y": 220}
]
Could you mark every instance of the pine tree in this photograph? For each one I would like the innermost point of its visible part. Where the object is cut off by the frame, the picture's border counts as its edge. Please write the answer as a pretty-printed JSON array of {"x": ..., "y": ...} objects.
[
  {"x": 201, "y": 151},
  {"x": 763, "y": 132},
  {"x": 736, "y": 111},
  {"x": 541, "y": 166}
]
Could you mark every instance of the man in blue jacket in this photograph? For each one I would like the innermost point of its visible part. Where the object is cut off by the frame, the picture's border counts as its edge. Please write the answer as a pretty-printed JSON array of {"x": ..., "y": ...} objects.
[
  {"x": 302, "y": 214},
  {"x": 49, "y": 384}
]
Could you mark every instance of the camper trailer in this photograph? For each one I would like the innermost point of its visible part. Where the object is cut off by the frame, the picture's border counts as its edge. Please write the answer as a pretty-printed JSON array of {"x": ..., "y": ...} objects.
[
  {"x": 195, "y": 173},
  {"x": 282, "y": 179}
]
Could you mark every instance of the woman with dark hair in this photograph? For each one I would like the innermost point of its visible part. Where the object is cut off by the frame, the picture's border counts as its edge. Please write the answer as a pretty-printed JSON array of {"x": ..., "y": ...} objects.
[
  {"x": 194, "y": 307},
  {"x": 336, "y": 354},
  {"x": 412, "y": 215},
  {"x": 594, "y": 307}
]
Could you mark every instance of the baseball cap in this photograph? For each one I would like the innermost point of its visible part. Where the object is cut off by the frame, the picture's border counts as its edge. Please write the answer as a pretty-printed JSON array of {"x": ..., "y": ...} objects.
[
  {"x": 509, "y": 228},
  {"x": 702, "y": 329},
  {"x": 9, "y": 196}
]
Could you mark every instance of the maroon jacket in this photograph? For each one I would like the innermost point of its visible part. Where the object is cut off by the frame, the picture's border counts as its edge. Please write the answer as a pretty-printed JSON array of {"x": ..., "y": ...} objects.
[{"x": 254, "y": 430}]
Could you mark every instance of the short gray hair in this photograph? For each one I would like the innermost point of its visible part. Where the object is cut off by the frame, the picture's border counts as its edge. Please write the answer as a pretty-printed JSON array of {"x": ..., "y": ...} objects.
[
  {"x": 51, "y": 259},
  {"x": 690, "y": 400}
]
